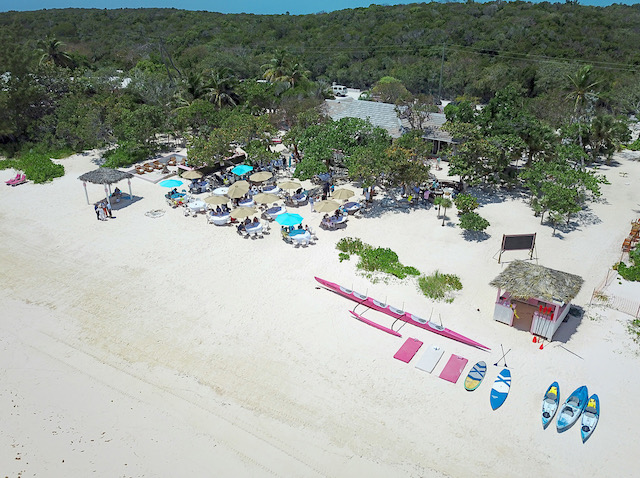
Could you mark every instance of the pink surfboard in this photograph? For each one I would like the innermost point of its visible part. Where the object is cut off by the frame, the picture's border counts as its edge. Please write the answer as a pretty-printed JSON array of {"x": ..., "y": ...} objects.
[
  {"x": 452, "y": 371},
  {"x": 408, "y": 350}
]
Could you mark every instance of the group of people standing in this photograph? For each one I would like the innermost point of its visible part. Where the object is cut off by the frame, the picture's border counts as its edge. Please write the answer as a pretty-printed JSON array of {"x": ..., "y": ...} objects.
[{"x": 103, "y": 210}]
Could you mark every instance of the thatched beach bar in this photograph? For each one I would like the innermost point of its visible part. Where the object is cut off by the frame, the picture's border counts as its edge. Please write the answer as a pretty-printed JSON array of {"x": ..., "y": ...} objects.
[{"x": 533, "y": 297}]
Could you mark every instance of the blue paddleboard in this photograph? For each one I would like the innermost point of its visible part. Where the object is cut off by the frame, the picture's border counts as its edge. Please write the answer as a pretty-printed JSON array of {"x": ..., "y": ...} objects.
[
  {"x": 475, "y": 376},
  {"x": 500, "y": 389}
]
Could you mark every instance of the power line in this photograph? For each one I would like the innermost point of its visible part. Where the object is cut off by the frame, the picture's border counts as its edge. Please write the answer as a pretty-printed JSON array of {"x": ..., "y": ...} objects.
[{"x": 501, "y": 54}]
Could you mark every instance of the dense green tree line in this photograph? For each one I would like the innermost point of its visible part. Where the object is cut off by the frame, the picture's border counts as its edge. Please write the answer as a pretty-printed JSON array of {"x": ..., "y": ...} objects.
[
  {"x": 486, "y": 45},
  {"x": 76, "y": 79}
]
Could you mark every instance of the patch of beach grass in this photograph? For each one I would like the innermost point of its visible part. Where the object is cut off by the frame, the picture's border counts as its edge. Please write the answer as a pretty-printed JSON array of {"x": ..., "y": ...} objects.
[
  {"x": 439, "y": 286},
  {"x": 378, "y": 259}
]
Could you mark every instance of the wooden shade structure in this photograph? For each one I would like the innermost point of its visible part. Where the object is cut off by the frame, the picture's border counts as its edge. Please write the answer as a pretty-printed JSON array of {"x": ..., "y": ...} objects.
[{"x": 106, "y": 177}]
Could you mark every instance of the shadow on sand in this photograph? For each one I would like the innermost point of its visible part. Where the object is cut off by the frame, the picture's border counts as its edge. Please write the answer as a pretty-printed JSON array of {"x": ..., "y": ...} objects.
[
  {"x": 125, "y": 201},
  {"x": 569, "y": 325},
  {"x": 475, "y": 236}
]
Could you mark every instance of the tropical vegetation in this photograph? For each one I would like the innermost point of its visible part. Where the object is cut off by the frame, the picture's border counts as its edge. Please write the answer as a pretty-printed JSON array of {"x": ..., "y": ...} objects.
[
  {"x": 557, "y": 100},
  {"x": 374, "y": 259},
  {"x": 630, "y": 272},
  {"x": 439, "y": 286}
]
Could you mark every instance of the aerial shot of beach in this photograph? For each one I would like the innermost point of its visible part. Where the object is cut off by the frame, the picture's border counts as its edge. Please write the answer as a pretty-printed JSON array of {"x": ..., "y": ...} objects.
[{"x": 299, "y": 257}]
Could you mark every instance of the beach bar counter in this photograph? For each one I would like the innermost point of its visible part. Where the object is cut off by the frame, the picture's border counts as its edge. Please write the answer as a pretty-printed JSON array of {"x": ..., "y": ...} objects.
[{"x": 535, "y": 298}]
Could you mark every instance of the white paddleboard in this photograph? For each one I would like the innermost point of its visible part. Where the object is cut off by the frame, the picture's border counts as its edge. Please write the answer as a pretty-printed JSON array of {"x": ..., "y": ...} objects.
[{"x": 430, "y": 358}]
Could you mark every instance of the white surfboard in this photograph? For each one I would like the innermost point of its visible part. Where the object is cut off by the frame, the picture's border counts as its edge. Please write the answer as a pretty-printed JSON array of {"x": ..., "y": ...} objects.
[{"x": 430, "y": 358}]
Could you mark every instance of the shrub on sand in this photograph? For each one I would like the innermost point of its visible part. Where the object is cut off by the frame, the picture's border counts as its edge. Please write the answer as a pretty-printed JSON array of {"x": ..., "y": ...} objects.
[{"x": 439, "y": 286}]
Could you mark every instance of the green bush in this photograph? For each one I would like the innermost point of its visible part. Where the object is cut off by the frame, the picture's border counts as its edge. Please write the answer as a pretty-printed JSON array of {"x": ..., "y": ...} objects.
[
  {"x": 631, "y": 272},
  {"x": 634, "y": 329},
  {"x": 126, "y": 154},
  {"x": 635, "y": 146},
  {"x": 472, "y": 221},
  {"x": 465, "y": 203},
  {"x": 374, "y": 259},
  {"x": 439, "y": 286},
  {"x": 308, "y": 168},
  {"x": 351, "y": 245},
  {"x": 37, "y": 165}
]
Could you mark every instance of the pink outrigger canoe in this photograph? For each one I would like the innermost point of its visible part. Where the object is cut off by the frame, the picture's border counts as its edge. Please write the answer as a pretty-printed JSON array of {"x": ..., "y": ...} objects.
[{"x": 399, "y": 314}]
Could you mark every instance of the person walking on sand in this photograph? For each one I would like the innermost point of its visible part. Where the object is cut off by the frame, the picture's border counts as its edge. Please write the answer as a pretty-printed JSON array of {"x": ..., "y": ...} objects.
[
  {"x": 108, "y": 206},
  {"x": 101, "y": 214},
  {"x": 97, "y": 210}
]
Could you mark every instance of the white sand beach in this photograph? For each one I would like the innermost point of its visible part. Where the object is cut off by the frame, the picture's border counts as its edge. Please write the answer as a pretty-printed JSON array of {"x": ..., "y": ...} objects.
[{"x": 167, "y": 346}]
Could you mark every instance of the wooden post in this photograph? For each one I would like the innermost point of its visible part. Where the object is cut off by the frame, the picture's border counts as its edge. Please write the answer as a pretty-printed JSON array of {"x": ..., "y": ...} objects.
[
  {"x": 106, "y": 192},
  {"x": 86, "y": 194}
]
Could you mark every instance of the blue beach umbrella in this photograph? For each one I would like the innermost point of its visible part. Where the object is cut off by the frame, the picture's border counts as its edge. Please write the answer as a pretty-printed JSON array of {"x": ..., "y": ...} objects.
[
  {"x": 288, "y": 219},
  {"x": 241, "y": 169}
]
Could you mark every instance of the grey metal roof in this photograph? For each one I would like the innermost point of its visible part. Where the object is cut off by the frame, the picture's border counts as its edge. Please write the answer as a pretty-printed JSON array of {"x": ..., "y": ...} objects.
[
  {"x": 379, "y": 114},
  {"x": 384, "y": 115}
]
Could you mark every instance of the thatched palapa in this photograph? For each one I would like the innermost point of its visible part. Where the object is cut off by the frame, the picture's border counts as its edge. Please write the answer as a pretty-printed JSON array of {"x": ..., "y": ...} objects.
[
  {"x": 104, "y": 176},
  {"x": 525, "y": 280}
]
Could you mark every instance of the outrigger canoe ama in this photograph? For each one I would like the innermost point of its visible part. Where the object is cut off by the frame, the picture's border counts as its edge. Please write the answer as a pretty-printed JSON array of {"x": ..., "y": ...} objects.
[{"x": 399, "y": 314}]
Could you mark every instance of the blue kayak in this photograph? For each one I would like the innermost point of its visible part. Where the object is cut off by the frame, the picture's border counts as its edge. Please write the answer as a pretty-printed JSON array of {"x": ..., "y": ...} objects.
[
  {"x": 572, "y": 408},
  {"x": 550, "y": 404},
  {"x": 500, "y": 389},
  {"x": 590, "y": 417}
]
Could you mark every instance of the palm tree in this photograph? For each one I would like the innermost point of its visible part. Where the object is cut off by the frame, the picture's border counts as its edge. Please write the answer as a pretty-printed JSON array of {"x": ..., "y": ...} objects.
[
  {"x": 221, "y": 88},
  {"x": 282, "y": 68},
  {"x": 193, "y": 87},
  {"x": 51, "y": 52},
  {"x": 297, "y": 74},
  {"x": 607, "y": 133},
  {"x": 581, "y": 92},
  {"x": 581, "y": 85},
  {"x": 276, "y": 70},
  {"x": 445, "y": 203}
]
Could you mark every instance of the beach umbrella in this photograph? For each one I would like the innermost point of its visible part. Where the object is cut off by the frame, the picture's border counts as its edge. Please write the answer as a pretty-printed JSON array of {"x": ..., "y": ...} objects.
[
  {"x": 216, "y": 200},
  {"x": 192, "y": 174},
  {"x": 238, "y": 189},
  {"x": 342, "y": 194},
  {"x": 241, "y": 169},
  {"x": 242, "y": 212},
  {"x": 289, "y": 185},
  {"x": 260, "y": 176},
  {"x": 288, "y": 219},
  {"x": 221, "y": 191},
  {"x": 326, "y": 206},
  {"x": 266, "y": 198}
]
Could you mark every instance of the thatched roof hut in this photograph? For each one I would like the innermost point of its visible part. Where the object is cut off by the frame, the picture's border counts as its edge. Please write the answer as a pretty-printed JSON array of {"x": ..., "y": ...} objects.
[
  {"x": 107, "y": 177},
  {"x": 104, "y": 176},
  {"x": 525, "y": 280}
]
